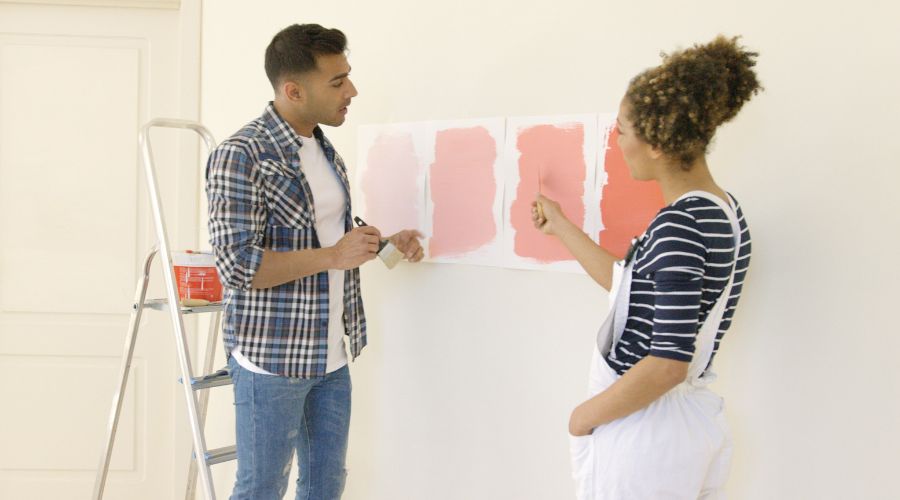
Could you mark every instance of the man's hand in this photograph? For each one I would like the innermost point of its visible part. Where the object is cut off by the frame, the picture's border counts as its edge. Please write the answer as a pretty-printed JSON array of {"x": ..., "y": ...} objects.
[
  {"x": 407, "y": 241},
  {"x": 358, "y": 246}
]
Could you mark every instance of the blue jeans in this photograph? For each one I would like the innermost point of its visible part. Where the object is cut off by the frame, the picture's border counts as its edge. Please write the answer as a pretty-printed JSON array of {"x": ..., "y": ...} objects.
[{"x": 277, "y": 415}]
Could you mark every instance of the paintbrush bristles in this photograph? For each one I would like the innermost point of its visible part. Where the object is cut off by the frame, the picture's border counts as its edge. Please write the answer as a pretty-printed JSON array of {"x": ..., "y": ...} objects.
[{"x": 390, "y": 255}]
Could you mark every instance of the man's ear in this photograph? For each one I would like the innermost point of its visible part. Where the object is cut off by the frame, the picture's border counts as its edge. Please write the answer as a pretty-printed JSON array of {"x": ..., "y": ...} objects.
[
  {"x": 655, "y": 153},
  {"x": 293, "y": 91}
]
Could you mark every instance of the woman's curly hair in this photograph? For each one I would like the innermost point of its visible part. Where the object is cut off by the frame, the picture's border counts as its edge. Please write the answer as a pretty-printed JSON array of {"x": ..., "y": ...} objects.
[{"x": 677, "y": 106}]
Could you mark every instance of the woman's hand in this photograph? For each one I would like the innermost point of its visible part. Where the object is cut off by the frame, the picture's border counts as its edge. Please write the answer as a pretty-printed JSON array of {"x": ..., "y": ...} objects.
[
  {"x": 578, "y": 422},
  {"x": 644, "y": 383},
  {"x": 547, "y": 215}
]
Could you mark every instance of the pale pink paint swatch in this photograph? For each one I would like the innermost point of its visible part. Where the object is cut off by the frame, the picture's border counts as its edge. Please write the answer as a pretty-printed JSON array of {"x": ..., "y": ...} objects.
[
  {"x": 558, "y": 152},
  {"x": 391, "y": 184},
  {"x": 463, "y": 189}
]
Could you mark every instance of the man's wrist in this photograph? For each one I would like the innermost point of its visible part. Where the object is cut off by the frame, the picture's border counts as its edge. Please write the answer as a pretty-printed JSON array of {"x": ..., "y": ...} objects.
[{"x": 329, "y": 257}]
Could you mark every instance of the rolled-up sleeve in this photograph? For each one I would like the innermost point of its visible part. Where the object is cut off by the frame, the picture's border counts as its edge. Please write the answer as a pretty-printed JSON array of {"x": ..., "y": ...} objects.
[
  {"x": 676, "y": 320},
  {"x": 237, "y": 215}
]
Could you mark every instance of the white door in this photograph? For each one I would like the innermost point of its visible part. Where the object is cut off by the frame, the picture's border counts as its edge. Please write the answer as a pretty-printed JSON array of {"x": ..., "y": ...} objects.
[{"x": 77, "y": 80}]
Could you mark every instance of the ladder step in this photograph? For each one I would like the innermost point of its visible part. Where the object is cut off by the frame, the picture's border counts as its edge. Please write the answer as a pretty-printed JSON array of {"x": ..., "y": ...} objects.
[
  {"x": 219, "y": 455},
  {"x": 215, "y": 379},
  {"x": 163, "y": 304}
]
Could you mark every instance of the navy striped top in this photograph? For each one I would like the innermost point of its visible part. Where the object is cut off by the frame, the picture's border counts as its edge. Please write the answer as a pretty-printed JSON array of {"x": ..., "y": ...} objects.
[{"x": 681, "y": 268}]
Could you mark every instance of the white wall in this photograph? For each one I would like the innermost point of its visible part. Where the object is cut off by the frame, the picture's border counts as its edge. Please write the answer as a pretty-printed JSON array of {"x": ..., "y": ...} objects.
[{"x": 466, "y": 387}]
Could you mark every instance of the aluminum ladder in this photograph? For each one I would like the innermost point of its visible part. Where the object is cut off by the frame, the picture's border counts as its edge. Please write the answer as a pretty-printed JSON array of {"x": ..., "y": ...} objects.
[{"x": 203, "y": 458}]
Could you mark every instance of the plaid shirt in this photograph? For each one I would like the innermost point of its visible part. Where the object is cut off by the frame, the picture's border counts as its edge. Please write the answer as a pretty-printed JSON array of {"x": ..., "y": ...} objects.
[{"x": 259, "y": 200}]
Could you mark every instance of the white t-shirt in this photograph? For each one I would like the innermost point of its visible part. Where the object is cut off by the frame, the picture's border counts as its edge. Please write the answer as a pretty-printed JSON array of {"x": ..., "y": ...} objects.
[{"x": 329, "y": 203}]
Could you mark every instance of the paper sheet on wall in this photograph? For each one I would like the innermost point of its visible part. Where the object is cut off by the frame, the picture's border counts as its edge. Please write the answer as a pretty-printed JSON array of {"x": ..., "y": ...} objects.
[
  {"x": 562, "y": 151},
  {"x": 443, "y": 178},
  {"x": 391, "y": 176},
  {"x": 467, "y": 185},
  {"x": 465, "y": 192}
]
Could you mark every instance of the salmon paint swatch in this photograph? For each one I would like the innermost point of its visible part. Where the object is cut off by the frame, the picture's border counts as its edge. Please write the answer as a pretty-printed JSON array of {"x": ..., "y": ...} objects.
[
  {"x": 390, "y": 183},
  {"x": 627, "y": 206},
  {"x": 463, "y": 189},
  {"x": 558, "y": 152}
]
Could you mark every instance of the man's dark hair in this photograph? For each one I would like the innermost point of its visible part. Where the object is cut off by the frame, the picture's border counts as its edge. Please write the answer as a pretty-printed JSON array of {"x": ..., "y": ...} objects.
[{"x": 294, "y": 49}]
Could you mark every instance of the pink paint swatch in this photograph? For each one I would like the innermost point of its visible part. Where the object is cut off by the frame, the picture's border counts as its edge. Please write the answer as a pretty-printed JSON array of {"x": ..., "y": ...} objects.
[
  {"x": 627, "y": 206},
  {"x": 463, "y": 189},
  {"x": 390, "y": 184},
  {"x": 558, "y": 152}
]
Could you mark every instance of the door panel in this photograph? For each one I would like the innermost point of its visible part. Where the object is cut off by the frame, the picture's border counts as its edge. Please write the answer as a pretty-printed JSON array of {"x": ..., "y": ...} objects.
[{"x": 76, "y": 84}]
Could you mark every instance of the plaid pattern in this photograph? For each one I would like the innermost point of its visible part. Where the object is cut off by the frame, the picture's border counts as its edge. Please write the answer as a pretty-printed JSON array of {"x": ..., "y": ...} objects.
[{"x": 259, "y": 200}]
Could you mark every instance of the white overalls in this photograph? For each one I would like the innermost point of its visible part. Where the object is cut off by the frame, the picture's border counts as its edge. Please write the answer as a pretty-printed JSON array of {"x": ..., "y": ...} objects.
[{"x": 679, "y": 446}]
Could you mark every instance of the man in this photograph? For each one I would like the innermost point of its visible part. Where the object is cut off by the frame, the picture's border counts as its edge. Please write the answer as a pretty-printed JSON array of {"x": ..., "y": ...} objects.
[{"x": 280, "y": 224}]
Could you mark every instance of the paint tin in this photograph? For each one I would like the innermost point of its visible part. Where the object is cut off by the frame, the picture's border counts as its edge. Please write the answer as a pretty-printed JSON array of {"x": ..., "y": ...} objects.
[{"x": 196, "y": 276}]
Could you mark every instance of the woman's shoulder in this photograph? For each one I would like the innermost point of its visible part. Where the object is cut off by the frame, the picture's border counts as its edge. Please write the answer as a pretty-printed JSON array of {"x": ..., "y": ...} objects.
[
  {"x": 705, "y": 212},
  {"x": 677, "y": 217},
  {"x": 673, "y": 232},
  {"x": 711, "y": 221},
  {"x": 692, "y": 217}
]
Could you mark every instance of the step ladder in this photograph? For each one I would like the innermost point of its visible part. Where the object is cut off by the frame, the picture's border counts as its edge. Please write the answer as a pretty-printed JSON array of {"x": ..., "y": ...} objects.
[{"x": 202, "y": 457}]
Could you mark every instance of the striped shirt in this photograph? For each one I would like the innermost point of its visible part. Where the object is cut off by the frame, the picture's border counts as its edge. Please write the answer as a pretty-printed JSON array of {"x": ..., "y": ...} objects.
[
  {"x": 681, "y": 268},
  {"x": 259, "y": 199}
]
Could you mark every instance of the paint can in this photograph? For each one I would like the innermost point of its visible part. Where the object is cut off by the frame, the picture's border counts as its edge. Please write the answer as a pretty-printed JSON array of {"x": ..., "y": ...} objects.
[{"x": 196, "y": 276}]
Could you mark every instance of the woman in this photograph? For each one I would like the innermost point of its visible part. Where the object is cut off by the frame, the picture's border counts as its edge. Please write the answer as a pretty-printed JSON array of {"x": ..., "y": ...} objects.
[{"x": 651, "y": 429}]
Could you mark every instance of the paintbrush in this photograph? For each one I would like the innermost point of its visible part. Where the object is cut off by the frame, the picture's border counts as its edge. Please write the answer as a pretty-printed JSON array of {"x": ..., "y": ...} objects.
[
  {"x": 388, "y": 253},
  {"x": 540, "y": 208}
]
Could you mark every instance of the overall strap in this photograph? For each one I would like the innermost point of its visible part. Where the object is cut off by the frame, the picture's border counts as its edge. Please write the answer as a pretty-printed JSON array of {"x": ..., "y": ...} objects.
[
  {"x": 706, "y": 338},
  {"x": 619, "y": 295}
]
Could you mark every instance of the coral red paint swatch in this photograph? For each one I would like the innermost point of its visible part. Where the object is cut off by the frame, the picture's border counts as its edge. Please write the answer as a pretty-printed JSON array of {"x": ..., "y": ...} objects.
[
  {"x": 558, "y": 152},
  {"x": 391, "y": 184},
  {"x": 627, "y": 206},
  {"x": 463, "y": 188}
]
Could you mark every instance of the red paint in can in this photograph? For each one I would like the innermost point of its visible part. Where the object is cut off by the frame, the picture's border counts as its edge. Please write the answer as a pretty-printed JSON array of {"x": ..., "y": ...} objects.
[{"x": 196, "y": 276}]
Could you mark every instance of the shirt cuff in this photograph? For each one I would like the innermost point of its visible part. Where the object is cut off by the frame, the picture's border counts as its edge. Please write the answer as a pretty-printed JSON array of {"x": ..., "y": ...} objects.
[{"x": 246, "y": 263}]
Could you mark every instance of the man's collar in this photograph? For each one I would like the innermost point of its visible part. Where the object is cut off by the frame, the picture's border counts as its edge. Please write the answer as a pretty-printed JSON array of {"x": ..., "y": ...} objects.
[
  {"x": 285, "y": 135},
  {"x": 281, "y": 130}
]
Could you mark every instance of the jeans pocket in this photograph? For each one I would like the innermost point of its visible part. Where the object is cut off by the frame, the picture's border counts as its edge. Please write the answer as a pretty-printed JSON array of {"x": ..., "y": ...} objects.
[
  {"x": 233, "y": 370},
  {"x": 242, "y": 394}
]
